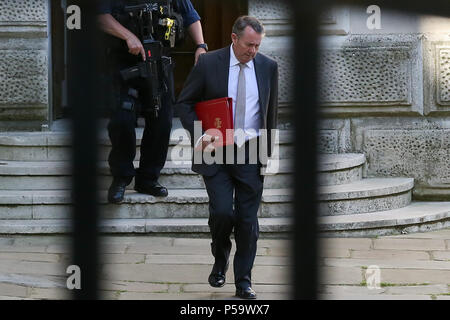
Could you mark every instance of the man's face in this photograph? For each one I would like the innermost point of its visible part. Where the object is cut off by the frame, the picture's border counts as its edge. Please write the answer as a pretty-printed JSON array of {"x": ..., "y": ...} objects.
[{"x": 247, "y": 45}]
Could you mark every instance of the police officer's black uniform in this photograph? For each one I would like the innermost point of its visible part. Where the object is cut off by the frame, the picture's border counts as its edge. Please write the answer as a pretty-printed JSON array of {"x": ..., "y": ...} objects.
[{"x": 129, "y": 99}]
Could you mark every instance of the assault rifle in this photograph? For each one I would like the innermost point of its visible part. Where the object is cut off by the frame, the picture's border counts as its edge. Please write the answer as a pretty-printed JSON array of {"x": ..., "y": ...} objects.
[{"x": 158, "y": 26}]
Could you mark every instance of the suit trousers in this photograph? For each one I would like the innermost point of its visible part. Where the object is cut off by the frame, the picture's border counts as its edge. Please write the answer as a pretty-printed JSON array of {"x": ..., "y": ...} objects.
[
  {"x": 154, "y": 144},
  {"x": 235, "y": 193}
]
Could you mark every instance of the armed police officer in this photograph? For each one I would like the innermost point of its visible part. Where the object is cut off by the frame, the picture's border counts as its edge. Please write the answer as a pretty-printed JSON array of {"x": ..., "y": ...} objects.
[{"x": 140, "y": 34}]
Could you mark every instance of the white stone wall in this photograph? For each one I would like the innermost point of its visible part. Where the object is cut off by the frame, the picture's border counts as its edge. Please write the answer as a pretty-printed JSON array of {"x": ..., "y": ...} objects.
[
  {"x": 275, "y": 15},
  {"x": 384, "y": 92},
  {"x": 23, "y": 64},
  {"x": 371, "y": 74}
]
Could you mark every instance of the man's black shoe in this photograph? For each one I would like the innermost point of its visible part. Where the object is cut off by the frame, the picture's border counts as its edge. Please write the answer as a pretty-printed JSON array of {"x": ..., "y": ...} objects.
[
  {"x": 246, "y": 293},
  {"x": 217, "y": 277},
  {"x": 155, "y": 189},
  {"x": 217, "y": 280},
  {"x": 116, "y": 191}
]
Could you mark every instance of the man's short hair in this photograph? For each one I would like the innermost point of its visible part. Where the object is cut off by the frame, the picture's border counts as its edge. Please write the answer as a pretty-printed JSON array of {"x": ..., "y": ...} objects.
[{"x": 247, "y": 21}]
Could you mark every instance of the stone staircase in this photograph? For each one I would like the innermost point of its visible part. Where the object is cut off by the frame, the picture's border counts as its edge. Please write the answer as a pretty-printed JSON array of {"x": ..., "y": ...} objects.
[
  {"x": 353, "y": 206},
  {"x": 35, "y": 196}
]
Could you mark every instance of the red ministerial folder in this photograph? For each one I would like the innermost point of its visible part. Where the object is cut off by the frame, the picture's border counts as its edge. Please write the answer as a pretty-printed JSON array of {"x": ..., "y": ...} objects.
[{"x": 217, "y": 114}]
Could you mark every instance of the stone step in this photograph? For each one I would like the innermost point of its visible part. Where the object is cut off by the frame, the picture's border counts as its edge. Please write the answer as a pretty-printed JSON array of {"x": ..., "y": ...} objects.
[
  {"x": 55, "y": 146},
  {"x": 175, "y": 152},
  {"x": 63, "y": 138},
  {"x": 194, "y": 226},
  {"x": 416, "y": 217},
  {"x": 56, "y": 204},
  {"x": 367, "y": 195},
  {"x": 54, "y": 175},
  {"x": 336, "y": 169}
]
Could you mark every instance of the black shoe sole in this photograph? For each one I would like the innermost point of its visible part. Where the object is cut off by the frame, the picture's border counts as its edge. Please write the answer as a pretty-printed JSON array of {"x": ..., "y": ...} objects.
[
  {"x": 246, "y": 298},
  {"x": 216, "y": 286},
  {"x": 115, "y": 201},
  {"x": 149, "y": 193}
]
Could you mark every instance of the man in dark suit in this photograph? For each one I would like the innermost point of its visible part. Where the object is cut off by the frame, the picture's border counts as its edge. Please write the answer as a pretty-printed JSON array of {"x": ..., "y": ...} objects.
[{"x": 251, "y": 79}]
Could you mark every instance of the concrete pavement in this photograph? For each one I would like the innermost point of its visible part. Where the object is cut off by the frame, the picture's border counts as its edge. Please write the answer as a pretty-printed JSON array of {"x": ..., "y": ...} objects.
[
  {"x": 408, "y": 267},
  {"x": 135, "y": 267},
  {"x": 413, "y": 266}
]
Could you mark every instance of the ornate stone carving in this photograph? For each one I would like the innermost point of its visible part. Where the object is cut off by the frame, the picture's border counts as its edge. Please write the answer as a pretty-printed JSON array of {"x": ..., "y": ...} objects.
[
  {"x": 421, "y": 154},
  {"x": 365, "y": 76},
  {"x": 23, "y": 77},
  {"x": 415, "y": 147},
  {"x": 23, "y": 62},
  {"x": 443, "y": 64},
  {"x": 23, "y": 11},
  {"x": 334, "y": 136},
  {"x": 285, "y": 78},
  {"x": 328, "y": 141},
  {"x": 436, "y": 76},
  {"x": 275, "y": 15},
  {"x": 269, "y": 9},
  {"x": 371, "y": 74}
]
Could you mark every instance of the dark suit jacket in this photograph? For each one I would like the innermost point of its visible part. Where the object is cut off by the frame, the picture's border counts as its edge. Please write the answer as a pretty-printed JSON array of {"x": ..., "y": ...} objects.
[{"x": 209, "y": 80}]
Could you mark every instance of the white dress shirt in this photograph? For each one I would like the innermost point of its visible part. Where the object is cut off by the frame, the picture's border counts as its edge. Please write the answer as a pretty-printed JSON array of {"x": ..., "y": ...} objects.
[
  {"x": 252, "y": 108},
  {"x": 253, "y": 117}
]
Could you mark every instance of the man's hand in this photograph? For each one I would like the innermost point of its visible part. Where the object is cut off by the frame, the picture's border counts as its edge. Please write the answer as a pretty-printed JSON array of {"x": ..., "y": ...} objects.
[
  {"x": 135, "y": 46},
  {"x": 207, "y": 143},
  {"x": 198, "y": 52}
]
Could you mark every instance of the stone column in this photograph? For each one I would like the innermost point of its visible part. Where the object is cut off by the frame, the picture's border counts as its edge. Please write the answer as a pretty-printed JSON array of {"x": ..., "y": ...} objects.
[
  {"x": 276, "y": 17},
  {"x": 24, "y": 61}
]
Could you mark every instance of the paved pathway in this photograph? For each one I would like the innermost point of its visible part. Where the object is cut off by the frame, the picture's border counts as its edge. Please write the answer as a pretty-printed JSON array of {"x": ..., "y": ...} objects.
[
  {"x": 414, "y": 266},
  {"x": 135, "y": 267}
]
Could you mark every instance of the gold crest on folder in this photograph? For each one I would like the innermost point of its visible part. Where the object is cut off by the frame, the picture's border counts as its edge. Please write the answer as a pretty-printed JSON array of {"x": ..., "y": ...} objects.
[{"x": 218, "y": 123}]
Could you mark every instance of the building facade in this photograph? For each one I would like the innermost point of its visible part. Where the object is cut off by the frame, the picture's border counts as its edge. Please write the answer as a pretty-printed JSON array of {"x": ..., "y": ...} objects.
[
  {"x": 384, "y": 96},
  {"x": 24, "y": 65},
  {"x": 385, "y": 93}
]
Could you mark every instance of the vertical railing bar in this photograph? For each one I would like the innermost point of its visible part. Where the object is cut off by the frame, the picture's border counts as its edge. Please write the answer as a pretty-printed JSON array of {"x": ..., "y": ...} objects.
[
  {"x": 82, "y": 97},
  {"x": 306, "y": 115}
]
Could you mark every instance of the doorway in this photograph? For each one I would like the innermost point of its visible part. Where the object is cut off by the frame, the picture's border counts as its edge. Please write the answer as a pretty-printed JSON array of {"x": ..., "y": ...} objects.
[{"x": 217, "y": 20}]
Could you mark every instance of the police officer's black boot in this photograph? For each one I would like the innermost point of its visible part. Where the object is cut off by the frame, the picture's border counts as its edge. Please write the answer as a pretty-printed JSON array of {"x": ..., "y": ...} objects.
[
  {"x": 117, "y": 190},
  {"x": 154, "y": 188}
]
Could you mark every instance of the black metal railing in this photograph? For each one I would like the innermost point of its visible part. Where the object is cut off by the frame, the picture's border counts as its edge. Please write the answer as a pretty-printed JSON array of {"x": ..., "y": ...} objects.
[{"x": 83, "y": 100}]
